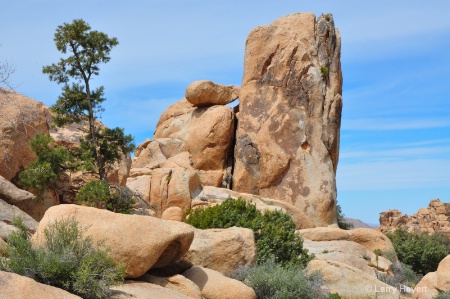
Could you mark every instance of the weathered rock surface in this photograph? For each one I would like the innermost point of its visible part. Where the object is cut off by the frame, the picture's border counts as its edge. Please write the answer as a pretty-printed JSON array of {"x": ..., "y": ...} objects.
[
  {"x": 351, "y": 254},
  {"x": 7, "y": 214},
  {"x": 25, "y": 200},
  {"x": 434, "y": 218},
  {"x": 164, "y": 188},
  {"x": 349, "y": 281},
  {"x": 177, "y": 283},
  {"x": 367, "y": 237},
  {"x": 20, "y": 119},
  {"x": 13, "y": 286},
  {"x": 223, "y": 250},
  {"x": 207, "y": 93},
  {"x": 207, "y": 132},
  {"x": 427, "y": 287},
  {"x": 216, "y": 286},
  {"x": 144, "y": 290},
  {"x": 140, "y": 242},
  {"x": 174, "y": 214},
  {"x": 213, "y": 195},
  {"x": 287, "y": 142},
  {"x": 434, "y": 282},
  {"x": 443, "y": 274}
]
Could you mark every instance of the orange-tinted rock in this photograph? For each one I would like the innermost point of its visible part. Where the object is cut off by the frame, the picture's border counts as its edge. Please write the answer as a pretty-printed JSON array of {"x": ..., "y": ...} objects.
[
  {"x": 20, "y": 119},
  {"x": 140, "y": 242},
  {"x": 287, "y": 142},
  {"x": 207, "y": 93},
  {"x": 207, "y": 131}
]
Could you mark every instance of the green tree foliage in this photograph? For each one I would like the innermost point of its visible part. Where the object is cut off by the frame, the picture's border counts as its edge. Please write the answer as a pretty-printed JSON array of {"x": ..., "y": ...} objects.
[
  {"x": 422, "y": 252},
  {"x": 43, "y": 174},
  {"x": 78, "y": 102},
  {"x": 341, "y": 219},
  {"x": 274, "y": 231},
  {"x": 66, "y": 260},
  {"x": 113, "y": 198}
]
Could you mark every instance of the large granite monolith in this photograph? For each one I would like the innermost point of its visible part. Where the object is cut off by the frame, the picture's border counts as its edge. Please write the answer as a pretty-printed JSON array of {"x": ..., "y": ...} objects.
[{"x": 287, "y": 142}]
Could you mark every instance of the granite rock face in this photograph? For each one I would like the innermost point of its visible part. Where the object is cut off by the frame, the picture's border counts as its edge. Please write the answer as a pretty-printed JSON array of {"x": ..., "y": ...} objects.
[{"x": 287, "y": 140}]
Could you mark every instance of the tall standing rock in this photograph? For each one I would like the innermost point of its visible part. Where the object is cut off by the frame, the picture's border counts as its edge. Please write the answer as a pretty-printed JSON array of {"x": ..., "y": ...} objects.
[{"x": 287, "y": 144}]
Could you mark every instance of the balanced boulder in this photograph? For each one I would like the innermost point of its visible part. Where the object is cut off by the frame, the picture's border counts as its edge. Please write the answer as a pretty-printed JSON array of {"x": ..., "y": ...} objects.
[{"x": 208, "y": 93}]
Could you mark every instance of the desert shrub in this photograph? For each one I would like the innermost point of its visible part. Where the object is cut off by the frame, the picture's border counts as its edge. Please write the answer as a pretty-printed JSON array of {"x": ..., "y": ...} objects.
[
  {"x": 271, "y": 280},
  {"x": 274, "y": 231},
  {"x": 101, "y": 195},
  {"x": 443, "y": 295},
  {"x": 421, "y": 251},
  {"x": 403, "y": 275},
  {"x": 65, "y": 260}
]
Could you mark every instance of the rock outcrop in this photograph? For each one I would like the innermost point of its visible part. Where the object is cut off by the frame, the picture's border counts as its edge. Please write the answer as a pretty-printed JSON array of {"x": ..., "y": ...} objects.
[
  {"x": 21, "y": 118},
  {"x": 26, "y": 201},
  {"x": 287, "y": 142},
  {"x": 434, "y": 282},
  {"x": 434, "y": 218},
  {"x": 140, "y": 242},
  {"x": 13, "y": 286},
  {"x": 208, "y": 133},
  {"x": 216, "y": 286},
  {"x": 351, "y": 282},
  {"x": 7, "y": 214},
  {"x": 223, "y": 250},
  {"x": 208, "y": 93},
  {"x": 367, "y": 237},
  {"x": 144, "y": 290}
]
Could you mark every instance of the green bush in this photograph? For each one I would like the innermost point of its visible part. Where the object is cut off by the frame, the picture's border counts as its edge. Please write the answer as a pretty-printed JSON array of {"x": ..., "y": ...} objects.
[
  {"x": 443, "y": 295},
  {"x": 66, "y": 260},
  {"x": 43, "y": 174},
  {"x": 403, "y": 275},
  {"x": 274, "y": 232},
  {"x": 422, "y": 252},
  {"x": 341, "y": 219},
  {"x": 271, "y": 280},
  {"x": 113, "y": 198}
]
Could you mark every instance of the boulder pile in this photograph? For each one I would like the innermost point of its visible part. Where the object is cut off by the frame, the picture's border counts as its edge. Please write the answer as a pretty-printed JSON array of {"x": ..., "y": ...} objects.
[{"x": 434, "y": 218}]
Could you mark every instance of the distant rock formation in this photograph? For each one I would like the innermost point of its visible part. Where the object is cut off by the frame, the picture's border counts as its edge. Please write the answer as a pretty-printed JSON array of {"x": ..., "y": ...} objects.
[
  {"x": 434, "y": 218},
  {"x": 287, "y": 143}
]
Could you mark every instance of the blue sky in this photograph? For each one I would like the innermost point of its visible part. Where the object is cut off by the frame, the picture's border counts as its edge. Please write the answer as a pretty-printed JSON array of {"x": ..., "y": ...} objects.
[{"x": 395, "y": 135}]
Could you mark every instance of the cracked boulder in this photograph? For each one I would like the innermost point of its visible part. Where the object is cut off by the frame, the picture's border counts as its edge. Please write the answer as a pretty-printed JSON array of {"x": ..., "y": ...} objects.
[
  {"x": 287, "y": 140},
  {"x": 207, "y": 133}
]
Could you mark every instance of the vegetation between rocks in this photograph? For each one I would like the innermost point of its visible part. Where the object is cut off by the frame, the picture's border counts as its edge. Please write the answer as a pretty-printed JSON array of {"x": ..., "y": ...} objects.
[
  {"x": 274, "y": 231},
  {"x": 66, "y": 260},
  {"x": 271, "y": 280},
  {"x": 421, "y": 251},
  {"x": 443, "y": 295}
]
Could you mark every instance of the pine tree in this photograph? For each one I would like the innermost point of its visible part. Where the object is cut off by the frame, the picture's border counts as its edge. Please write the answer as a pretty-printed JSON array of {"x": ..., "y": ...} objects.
[{"x": 78, "y": 102}]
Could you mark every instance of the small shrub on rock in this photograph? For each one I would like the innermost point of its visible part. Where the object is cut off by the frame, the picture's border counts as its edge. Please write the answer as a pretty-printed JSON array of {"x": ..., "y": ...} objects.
[
  {"x": 66, "y": 260},
  {"x": 113, "y": 198},
  {"x": 421, "y": 251},
  {"x": 271, "y": 280},
  {"x": 274, "y": 232}
]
